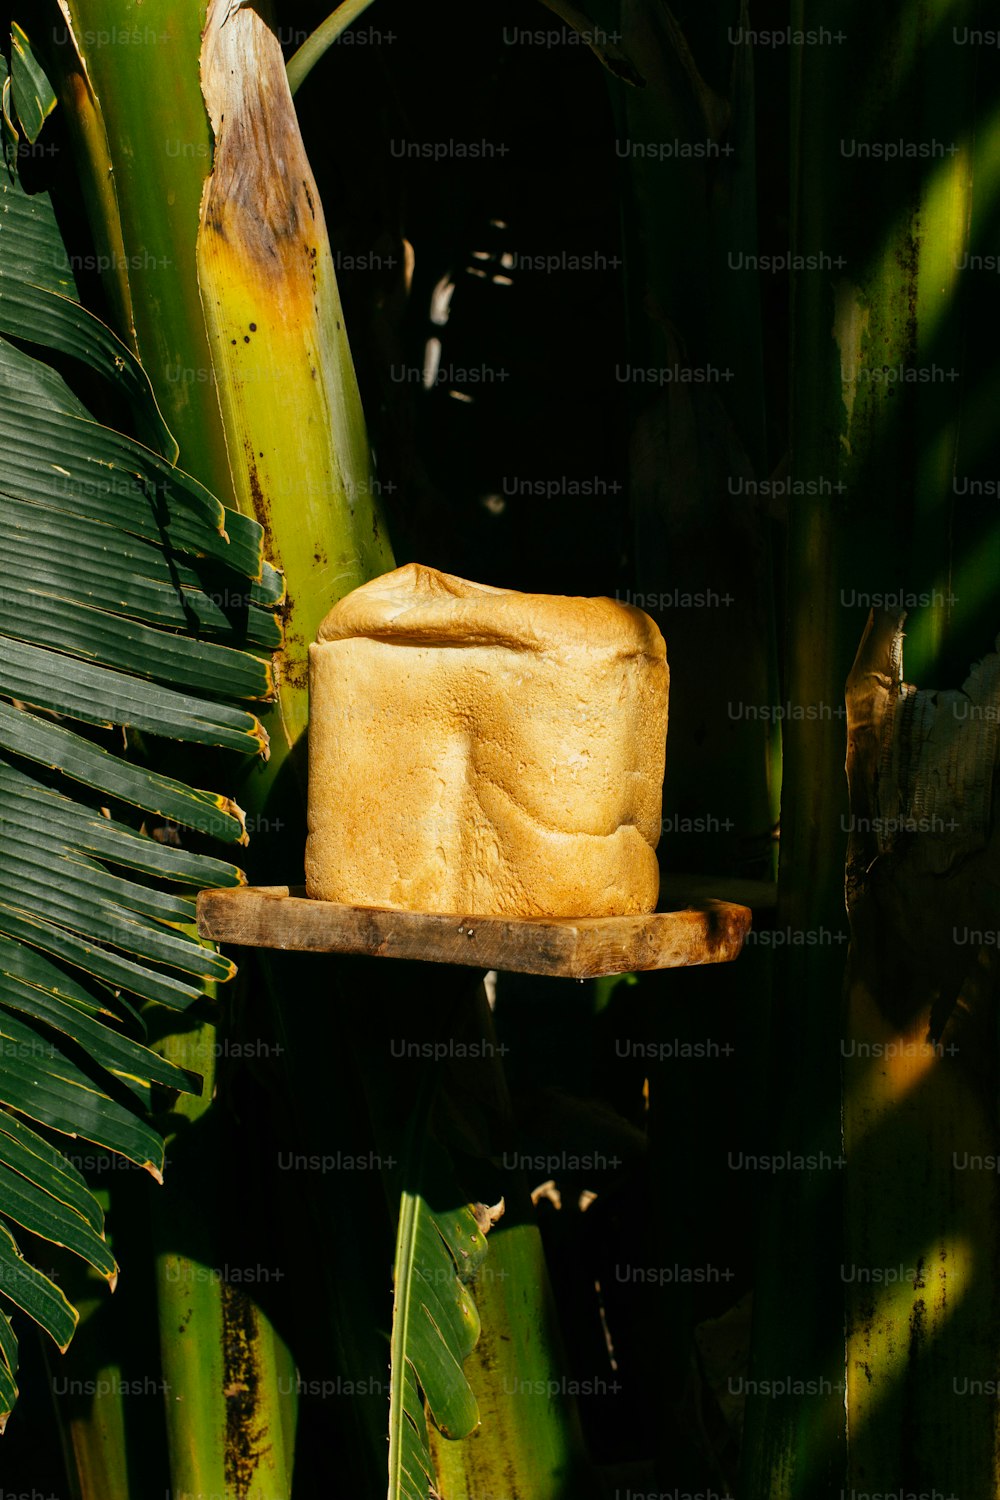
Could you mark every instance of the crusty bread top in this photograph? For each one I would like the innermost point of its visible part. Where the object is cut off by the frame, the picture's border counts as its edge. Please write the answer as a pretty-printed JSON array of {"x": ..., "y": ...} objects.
[{"x": 422, "y": 605}]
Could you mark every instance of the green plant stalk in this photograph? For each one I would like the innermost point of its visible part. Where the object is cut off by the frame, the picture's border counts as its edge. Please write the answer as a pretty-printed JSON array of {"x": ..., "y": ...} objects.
[
  {"x": 144, "y": 149},
  {"x": 271, "y": 423},
  {"x": 229, "y": 1378},
  {"x": 301, "y": 64},
  {"x": 292, "y": 414},
  {"x": 107, "y": 1401},
  {"x": 527, "y": 1434},
  {"x": 301, "y": 463},
  {"x": 95, "y": 1444}
]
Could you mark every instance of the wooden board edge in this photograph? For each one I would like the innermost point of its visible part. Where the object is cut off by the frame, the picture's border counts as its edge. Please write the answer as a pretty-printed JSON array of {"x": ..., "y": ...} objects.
[{"x": 573, "y": 949}]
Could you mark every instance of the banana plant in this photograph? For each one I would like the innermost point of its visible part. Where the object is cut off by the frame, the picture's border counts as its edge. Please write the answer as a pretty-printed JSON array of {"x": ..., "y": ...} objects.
[
  {"x": 435, "y": 1323},
  {"x": 251, "y": 303},
  {"x": 230, "y": 353},
  {"x": 112, "y": 633}
]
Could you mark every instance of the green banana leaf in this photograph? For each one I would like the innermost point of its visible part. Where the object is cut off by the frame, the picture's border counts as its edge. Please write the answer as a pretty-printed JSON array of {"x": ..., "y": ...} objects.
[
  {"x": 132, "y": 602},
  {"x": 435, "y": 1325}
]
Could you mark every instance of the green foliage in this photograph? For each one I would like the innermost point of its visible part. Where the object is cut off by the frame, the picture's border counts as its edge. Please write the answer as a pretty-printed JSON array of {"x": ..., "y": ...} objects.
[
  {"x": 129, "y": 603},
  {"x": 435, "y": 1325}
]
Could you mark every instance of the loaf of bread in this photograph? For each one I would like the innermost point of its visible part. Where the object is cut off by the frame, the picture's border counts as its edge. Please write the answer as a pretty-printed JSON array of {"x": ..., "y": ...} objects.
[{"x": 481, "y": 752}]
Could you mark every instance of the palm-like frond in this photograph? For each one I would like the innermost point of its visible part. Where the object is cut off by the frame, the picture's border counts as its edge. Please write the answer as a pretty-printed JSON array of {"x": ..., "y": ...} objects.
[
  {"x": 435, "y": 1327},
  {"x": 435, "y": 1324},
  {"x": 132, "y": 601}
]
